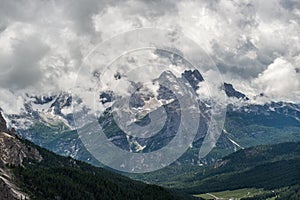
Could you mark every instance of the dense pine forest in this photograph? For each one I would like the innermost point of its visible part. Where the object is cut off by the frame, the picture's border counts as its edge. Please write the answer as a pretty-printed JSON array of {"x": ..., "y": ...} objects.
[{"x": 57, "y": 177}]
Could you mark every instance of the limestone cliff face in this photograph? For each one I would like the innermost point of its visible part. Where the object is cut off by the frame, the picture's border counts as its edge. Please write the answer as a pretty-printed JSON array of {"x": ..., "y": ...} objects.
[
  {"x": 3, "y": 127},
  {"x": 13, "y": 151},
  {"x": 5, "y": 191}
]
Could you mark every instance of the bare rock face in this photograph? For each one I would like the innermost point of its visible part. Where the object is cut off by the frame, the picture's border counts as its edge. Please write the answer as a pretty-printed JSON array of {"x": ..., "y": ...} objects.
[
  {"x": 3, "y": 127},
  {"x": 13, "y": 151},
  {"x": 5, "y": 191}
]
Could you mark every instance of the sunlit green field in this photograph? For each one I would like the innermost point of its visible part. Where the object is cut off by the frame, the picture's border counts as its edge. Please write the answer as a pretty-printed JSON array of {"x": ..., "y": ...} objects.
[{"x": 236, "y": 194}]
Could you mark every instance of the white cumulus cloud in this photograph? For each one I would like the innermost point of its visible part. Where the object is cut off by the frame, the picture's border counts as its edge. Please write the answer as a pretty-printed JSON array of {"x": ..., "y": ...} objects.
[{"x": 280, "y": 80}]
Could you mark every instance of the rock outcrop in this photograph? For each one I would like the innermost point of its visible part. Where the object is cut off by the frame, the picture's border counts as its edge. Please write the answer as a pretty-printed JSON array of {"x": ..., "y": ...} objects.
[
  {"x": 231, "y": 92},
  {"x": 5, "y": 191},
  {"x": 13, "y": 151},
  {"x": 3, "y": 127}
]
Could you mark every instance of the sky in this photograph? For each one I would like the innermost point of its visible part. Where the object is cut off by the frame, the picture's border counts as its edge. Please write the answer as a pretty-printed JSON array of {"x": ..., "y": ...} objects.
[{"x": 254, "y": 44}]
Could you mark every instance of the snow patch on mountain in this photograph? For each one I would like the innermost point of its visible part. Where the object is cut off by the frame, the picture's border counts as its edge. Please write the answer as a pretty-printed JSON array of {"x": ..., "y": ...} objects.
[{"x": 236, "y": 145}]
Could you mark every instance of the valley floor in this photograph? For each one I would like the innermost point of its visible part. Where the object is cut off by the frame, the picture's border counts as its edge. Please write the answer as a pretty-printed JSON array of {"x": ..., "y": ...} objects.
[{"x": 234, "y": 194}]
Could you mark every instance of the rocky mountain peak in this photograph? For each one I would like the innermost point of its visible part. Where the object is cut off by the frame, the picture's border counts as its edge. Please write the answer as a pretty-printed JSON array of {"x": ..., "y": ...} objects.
[{"x": 231, "y": 92}]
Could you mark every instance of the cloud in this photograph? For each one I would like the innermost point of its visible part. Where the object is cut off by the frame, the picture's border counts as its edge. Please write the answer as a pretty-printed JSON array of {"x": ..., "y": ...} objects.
[
  {"x": 10, "y": 102},
  {"x": 279, "y": 80},
  {"x": 21, "y": 58},
  {"x": 46, "y": 41}
]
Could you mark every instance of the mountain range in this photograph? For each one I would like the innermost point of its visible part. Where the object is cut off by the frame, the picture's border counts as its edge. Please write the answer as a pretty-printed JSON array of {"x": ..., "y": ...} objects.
[
  {"x": 48, "y": 121},
  {"x": 28, "y": 171}
]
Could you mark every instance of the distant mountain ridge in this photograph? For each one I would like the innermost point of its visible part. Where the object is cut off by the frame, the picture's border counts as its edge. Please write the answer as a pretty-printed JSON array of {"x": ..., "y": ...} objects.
[
  {"x": 48, "y": 121},
  {"x": 30, "y": 172},
  {"x": 265, "y": 166}
]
